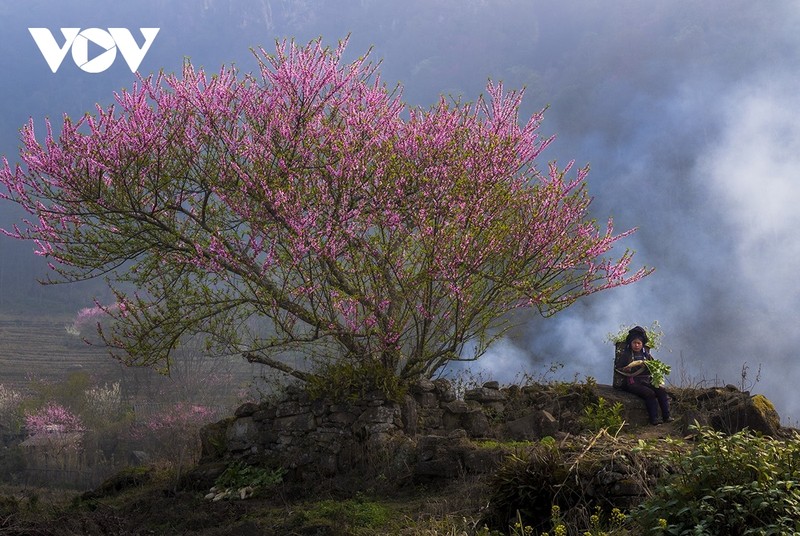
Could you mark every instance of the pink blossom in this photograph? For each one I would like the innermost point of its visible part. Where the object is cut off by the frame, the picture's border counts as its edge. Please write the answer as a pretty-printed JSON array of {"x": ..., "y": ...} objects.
[
  {"x": 309, "y": 195},
  {"x": 53, "y": 419}
]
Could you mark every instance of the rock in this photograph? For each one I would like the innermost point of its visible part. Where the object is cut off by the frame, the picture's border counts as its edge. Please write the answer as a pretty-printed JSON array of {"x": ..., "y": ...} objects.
[
  {"x": 457, "y": 407},
  {"x": 139, "y": 457},
  {"x": 125, "y": 479},
  {"x": 302, "y": 422},
  {"x": 422, "y": 386},
  {"x": 444, "y": 389},
  {"x": 483, "y": 395},
  {"x": 319, "y": 407},
  {"x": 481, "y": 460},
  {"x": 380, "y": 414},
  {"x": 767, "y": 411},
  {"x": 342, "y": 418},
  {"x": 426, "y": 399},
  {"x": 213, "y": 440},
  {"x": 535, "y": 425},
  {"x": 460, "y": 415},
  {"x": 203, "y": 476},
  {"x": 431, "y": 434},
  {"x": 522, "y": 429},
  {"x": 634, "y": 411},
  {"x": 246, "y": 410},
  {"x": 439, "y": 457},
  {"x": 431, "y": 418},
  {"x": 409, "y": 415},
  {"x": 753, "y": 413},
  {"x": 264, "y": 413},
  {"x": 548, "y": 425},
  {"x": 242, "y": 434},
  {"x": 291, "y": 408},
  {"x": 476, "y": 424},
  {"x": 437, "y": 470},
  {"x": 458, "y": 434}
]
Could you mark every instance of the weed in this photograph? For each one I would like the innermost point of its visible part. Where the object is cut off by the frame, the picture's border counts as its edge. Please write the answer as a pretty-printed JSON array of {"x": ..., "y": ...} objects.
[
  {"x": 728, "y": 482},
  {"x": 348, "y": 382},
  {"x": 495, "y": 444},
  {"x": 243, "y": 480},
  {"x": 526, "y": 378},
  {"x": 600, "y": 415},
  {"x": 548, "y": 441},
  {"x": 352, "y": 516},
  {"x": 746, "y": 384}
]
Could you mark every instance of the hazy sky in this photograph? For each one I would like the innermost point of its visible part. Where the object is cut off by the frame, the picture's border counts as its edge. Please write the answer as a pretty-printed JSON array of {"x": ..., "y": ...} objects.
[{"x": 686, "y": 111}]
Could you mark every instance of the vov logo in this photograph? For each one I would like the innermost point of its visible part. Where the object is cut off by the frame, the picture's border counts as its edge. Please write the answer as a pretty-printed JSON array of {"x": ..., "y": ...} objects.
[{"x": 108, "y": 42}]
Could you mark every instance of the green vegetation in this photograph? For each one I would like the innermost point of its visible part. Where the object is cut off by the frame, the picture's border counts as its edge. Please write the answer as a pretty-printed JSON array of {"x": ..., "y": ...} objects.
[
  {"x": 495, "y": 444},
  {"x": 655, "y": 335},
  {"x": 347, "y": 381},
  {"x": 729, "y": 484},
  {"x": 714, "y": 484},
  {"x": 353, "y": 516},
  {"x": 241, "y": 476},
  {"x": 658, "y": 371},
  {"x": 525, "y": 486},
  {"x": 602, "y": 415},
  {"x": 737, "y": 484}
]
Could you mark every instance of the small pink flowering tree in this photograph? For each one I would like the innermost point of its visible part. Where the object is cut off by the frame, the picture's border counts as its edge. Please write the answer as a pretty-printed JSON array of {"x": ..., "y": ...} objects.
[
  {"x": 88, "y": 319},
  {"x": 53, "y": 419},
  {"x": 307, "y": 211},
  {"x": 173, "y": 432}
]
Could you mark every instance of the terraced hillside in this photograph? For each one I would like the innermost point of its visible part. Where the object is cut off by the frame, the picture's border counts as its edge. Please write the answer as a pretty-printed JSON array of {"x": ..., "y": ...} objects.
[{"x": 41, "y": 348}]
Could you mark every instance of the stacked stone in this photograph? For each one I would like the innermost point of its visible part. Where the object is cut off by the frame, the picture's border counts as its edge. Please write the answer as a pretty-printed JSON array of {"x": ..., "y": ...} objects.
[{"x": 432, "y": 431}]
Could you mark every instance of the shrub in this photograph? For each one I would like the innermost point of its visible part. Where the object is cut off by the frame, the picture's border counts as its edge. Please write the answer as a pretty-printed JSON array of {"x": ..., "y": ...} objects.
[
  {"x": 603, "y": 415},
  {"x": 172, "y": 434},
  {"x": 9, "y": 402},
  {"x": 524, "y": 488},
  {"x": 350, "y": 381},
  {"x": 104, "y": 403},
  {"x": 240, "y": 474},
  {"x": 243, "y": 481},
  {"x": 732, "y": 485}
]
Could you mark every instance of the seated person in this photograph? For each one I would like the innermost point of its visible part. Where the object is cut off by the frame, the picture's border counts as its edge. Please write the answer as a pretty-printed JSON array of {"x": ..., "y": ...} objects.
[{"x": 632, "y": 375}]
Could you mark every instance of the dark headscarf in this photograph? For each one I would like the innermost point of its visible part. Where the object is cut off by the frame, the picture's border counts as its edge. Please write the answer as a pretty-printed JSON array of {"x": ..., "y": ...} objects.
[{"x": 636, "y": 333}]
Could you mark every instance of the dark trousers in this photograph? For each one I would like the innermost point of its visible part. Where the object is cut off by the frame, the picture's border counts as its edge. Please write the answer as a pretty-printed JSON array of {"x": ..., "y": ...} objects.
[{"x": 653, "y": 398}]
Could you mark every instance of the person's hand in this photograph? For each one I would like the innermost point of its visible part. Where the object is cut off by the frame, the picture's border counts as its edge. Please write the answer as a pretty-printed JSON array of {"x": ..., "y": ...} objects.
[{"x": 632, "y": 365}]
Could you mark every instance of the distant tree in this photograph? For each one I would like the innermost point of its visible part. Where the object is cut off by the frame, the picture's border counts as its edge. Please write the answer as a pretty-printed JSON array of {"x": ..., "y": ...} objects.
[
  {"x": 309, "y": 212},
  {"x": 53, "y": 419}
]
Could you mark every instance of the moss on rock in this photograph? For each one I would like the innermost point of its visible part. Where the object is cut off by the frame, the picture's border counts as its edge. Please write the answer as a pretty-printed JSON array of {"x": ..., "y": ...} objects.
[{"x": 767, "y": 410}]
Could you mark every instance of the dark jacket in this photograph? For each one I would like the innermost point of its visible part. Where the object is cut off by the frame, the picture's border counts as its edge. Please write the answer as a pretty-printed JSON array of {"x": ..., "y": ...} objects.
[{"x": 622, "y": 358}]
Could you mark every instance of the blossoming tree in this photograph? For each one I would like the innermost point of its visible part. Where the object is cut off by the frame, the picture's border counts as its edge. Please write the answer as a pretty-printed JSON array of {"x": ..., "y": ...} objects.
[
  {"x": 53, "y": 419},
  {"x": 307, "y": 211}
]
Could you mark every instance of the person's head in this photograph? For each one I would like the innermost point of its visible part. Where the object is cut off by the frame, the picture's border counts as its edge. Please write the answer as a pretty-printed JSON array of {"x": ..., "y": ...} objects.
[{"x": 636, "y": 339}]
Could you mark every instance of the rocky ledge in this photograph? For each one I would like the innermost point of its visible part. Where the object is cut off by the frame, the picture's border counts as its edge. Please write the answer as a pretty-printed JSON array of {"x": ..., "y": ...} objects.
[{"x": 435, "y": 433}]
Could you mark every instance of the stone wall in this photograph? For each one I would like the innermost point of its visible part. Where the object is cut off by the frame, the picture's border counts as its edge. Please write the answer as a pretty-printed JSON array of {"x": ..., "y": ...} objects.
[{"x": 433, "y": 433}]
